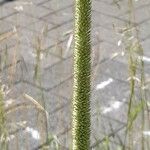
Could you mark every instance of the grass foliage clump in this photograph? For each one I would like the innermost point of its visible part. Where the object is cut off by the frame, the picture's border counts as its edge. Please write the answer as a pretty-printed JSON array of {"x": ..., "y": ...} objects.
[{"x": 3, "y": 130}]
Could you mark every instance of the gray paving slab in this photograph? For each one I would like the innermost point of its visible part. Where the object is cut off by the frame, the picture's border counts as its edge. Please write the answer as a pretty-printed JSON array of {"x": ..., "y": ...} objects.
[
  {"x": 138, "y": 17},
  {"x": 58, "y": 32},
  {"x": 39, "y": 26},
  {"x": 35, "y": 11},
  {"x": 39, "y": 2},
  {"x": 44, "y": 61},
  {"x": 50, "y": 78},
  {"x": 145, "y": 45},
  {"x": 5, "y": 26},
  {"x": 108, "y": 9},
  {"x": 55, "y": 5},
  {"x": 60, "y": 16},
  {"x": 54, "y": 106},
  {"x": 20, "y": 19},
  {"x": 107, "y": 21},
  {"x": 103, "y": 34},
  {"x": 6, "y": 12}
]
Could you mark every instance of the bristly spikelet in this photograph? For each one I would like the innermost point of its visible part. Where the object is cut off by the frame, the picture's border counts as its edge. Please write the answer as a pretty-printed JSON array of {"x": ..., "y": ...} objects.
[{"x": 82, "y": 69}]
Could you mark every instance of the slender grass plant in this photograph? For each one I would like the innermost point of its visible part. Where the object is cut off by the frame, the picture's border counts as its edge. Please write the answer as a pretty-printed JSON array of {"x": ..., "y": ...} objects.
[{"x": 82, "y": 70}]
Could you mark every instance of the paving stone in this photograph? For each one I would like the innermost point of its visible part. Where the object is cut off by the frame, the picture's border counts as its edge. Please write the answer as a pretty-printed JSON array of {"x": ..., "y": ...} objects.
[
  {"x": 108, "y": 9},
  {"x": 62, "y": 48},
  {"x": 145, "y": 45},
  {"x": 117, "y": 94},
  {"x": 35, "y": 11},
  {"x": 66, "y": 139},
  {"x": 102, "y": 127},
  {"x": 64, "y": 89},
  {"x": 24, "y": 113},
  {"x": 39, "y": 2},
  {"x": 34, "y": 39},
  {"x": 110, "y": 68},
  {"x": 29, "y": 54},
  {"x": 119, "y": 137},
  {"x": 5, "y": 26},
  {"x": 106, "y": 34},
  {"x": 26, "y": 139},
  {"x": 54, "y": 105},
  {"x": 143, "y": 32},
  {"x": 6, "y": 12},
  {"x": 40, "y": 96},
  {"x": 122, "y": 2},
  {"x": 106, "y": 51},
  {"x": 39, "y": 26},
  {"x": 55, "y": 5},
  {"x": 58, "y": 32},
  {"x": 8, "y": 57},
  {"x": 140, "y": 15},
  {"x": 141, "y": 4},
  {"x": 52, "y": 76},
  {"x": 107, "y": 21},
  {"x": 21, "y": 19},
  {"x": 59, "y": 17},
  {"x": 115, "y": 69},
  {"x": 59, "y": 121},
  {"x": 58, "y": 73},
  {"x": 12, "y": 76},
  {"x": 8, "y": 39}
]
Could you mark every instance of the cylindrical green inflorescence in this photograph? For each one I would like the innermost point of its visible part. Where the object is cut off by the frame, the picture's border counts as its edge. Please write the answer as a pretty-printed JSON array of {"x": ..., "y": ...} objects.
[{"x": 82, "y": 69}]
